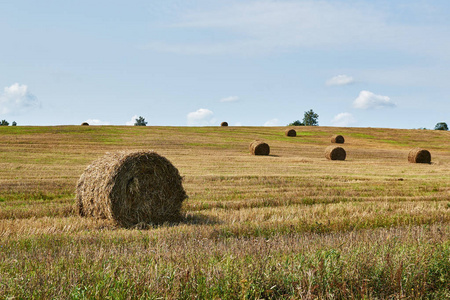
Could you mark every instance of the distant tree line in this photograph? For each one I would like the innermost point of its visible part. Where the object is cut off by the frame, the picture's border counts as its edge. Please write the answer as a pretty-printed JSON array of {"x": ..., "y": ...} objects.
[
  {"x": 310, "y": 118},
  {"x": 140, "y": 122},
  {"x": 6, "y": 123},
  {"x": 441, "y": 126}
]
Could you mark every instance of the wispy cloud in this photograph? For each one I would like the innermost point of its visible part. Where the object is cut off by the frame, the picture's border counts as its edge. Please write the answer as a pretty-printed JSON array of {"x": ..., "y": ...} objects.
[
  {"x": 230, "y": 99},
  {"x": 132, "y": 121},
  {"x": 340, "y": 80},
  {"x": 343, "y": 119},
  {"x": 368, "y": 100},
  {"x": 249, "y": 27},
  {"x": 17, "y": 99},
  {"x": 272, "y": 122},
  {"x": 200, "y": 117}
]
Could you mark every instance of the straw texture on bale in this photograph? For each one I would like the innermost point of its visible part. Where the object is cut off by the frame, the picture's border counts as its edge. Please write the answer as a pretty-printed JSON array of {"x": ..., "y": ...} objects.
[
  {"x": 335, "y": 153},
  {"x": 224, "y": 124},
  {"x": 131, "y": 188},
  {"x": 259, "y": 148},
  {"x": 338, "y": 139},
  {"x": 290, "y": 132},
  {"x": 85, "y": 124},
  {"x": 418, "y": 155}
]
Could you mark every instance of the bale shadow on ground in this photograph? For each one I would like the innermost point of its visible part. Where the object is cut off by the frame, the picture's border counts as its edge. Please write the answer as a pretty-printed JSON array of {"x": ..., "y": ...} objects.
[
  {"x": 187, "y": 219},
  {"x": 200, "y": 219}
]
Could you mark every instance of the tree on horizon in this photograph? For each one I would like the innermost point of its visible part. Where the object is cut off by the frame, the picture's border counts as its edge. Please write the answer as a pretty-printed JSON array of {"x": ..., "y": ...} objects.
[
  {"x": 441, "y": 126},
  {"x": 140, "y": 121},
  {"x": 311, "y": 118}
]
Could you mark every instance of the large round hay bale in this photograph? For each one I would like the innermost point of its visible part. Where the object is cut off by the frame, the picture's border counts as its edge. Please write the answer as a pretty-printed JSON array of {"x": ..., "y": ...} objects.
[
  {"x": 418, "y": 155},
  {"x": 290, "y": 132},
  {"x": 131, "y": 188},
  {"x": 224, "y": 124},
  {"x": 338, "y": 139},
  {"x": 335, "y": 153},
  {"x": 85, "y": 124},
  {"x": 259, "y": 148}
]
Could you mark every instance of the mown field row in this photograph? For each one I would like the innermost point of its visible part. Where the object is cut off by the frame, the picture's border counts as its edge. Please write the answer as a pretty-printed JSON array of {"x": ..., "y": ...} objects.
[{"x": 289, "y": 225}]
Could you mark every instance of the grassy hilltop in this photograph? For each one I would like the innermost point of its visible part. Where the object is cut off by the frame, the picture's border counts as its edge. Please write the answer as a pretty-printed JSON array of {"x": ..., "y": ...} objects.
[{"x": 288, "y": 225}]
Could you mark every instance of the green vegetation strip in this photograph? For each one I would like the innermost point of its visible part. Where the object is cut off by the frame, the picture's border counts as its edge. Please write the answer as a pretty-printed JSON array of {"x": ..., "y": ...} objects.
[{"x": 179, "y": 263}]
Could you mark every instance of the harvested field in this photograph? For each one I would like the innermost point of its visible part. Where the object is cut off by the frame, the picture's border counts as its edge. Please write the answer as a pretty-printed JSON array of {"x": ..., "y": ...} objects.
[{"x": 289, "y": 225}]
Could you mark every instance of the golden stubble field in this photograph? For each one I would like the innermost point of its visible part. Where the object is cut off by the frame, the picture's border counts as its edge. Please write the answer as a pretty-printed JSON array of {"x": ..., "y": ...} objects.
[{"x": 255, "y": 227}]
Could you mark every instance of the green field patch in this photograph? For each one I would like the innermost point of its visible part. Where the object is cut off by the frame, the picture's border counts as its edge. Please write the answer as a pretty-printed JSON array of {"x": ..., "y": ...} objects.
[
  {"x": 24, "y": 130},
  {"x": 209, "y": 145},
  {"x": 393, "y": 142},
  {"x": 361, "y": 135},
  {"x": 35, "y": 196},
  {"x": 110, "y": 140},
  {"x": 312, "y": 133},
  {"x": 196, "y": 129}
]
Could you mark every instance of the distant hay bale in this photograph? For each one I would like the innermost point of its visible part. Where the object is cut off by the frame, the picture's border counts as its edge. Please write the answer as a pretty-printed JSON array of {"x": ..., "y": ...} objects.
[
  {"x": 290, "y": 132},
  {"x": 85, "y": 124},
  {"x": 335, "y": 153},
  {"x": 338, "y": 139},
  {"x": 131, "y": 188},
  {"x": 224, "y": 124},
  {"x": 259, "y": 148},
  {"x": 418, "y": 155}
]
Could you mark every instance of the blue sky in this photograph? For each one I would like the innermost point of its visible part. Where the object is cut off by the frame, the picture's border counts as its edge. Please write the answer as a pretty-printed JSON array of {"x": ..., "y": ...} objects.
[{"x": 356, "y": 63}]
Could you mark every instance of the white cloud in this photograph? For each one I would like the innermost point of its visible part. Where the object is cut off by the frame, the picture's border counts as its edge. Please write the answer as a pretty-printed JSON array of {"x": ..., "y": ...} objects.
[
  {"x": 200, "y": 117},
  {"x": 343, "y": 119},
  {"x": 238, "y": 124},
  {"x": 97, "y": 122},
  {"x": 262, "y": 26},
  {"x": 368, "y": 100},
  {"x": 230, "y": 99},
  {"x": 272, "y": 122},
  {"x": 132, "y": 121},
  {"x": 340, "y": 80},
  {"x": 17, "y": 99}
]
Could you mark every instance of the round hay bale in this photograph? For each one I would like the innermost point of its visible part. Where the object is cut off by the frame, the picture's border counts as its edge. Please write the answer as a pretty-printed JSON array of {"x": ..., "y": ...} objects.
[
  {"x": 85, "y": 124},
  {"x": 224, "y": 124},
  {"x": 335, "y": 153},
  {"x": 290, "y": 132},
  {"x": 338, "y": 139},
  {"x": 420, "y": 156},
  {"x": 131, "y": 188},
  {"x": 259, "y": 148}
]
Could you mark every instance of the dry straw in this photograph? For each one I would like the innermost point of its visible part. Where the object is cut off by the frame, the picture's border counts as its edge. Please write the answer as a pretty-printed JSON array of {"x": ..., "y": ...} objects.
[
  {"x": 259, "y": 148},
  {"x": 131, "y": 188},
  {"x": 338, "y": 139},
  {"x": 224, "y": 124},
  {"x": 85, "y": 124},
  {"x": 290, "y": 132},
  {"x": 335, "y": 153},
  {"x": 418, "y": 155}
]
